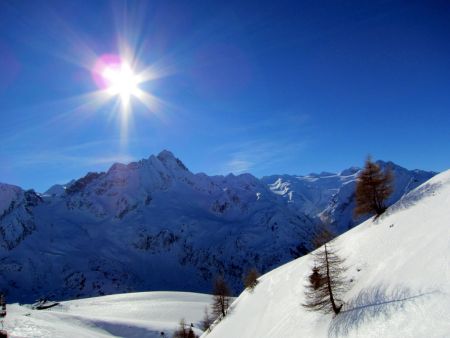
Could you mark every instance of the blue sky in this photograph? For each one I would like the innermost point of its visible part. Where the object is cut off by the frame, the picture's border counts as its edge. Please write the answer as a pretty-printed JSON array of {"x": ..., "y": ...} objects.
[{"x": 261, "y": 87}]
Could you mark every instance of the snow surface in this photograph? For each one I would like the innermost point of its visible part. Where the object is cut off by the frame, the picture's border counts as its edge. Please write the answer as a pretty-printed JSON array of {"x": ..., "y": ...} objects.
[
  {"x": 145, "y": 314},
  {"x": 398, "y": 269}
]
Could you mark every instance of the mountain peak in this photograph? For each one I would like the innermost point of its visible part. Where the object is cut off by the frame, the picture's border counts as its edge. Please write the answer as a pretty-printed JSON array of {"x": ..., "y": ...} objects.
[
  {"x": 169, "y": 160},
  {"x": 166, "y": 154},
  {"x": 349, "y": 171}
]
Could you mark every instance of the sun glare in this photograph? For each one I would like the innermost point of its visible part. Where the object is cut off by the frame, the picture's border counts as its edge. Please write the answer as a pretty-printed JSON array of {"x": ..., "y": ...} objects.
[
  {"x": 122, "y": 81},
  {"x": 115, "y": 76},
  {"x": 118, "y": 78}
]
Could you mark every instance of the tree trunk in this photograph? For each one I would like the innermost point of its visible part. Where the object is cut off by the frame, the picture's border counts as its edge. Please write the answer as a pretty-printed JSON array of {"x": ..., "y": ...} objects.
[
  {"x": 223, "y": 306},
  {"x": 336, "y": 309}
]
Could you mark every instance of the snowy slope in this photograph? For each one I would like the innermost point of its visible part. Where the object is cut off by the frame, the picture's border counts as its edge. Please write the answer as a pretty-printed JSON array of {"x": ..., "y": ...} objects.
[
  {"x": 139, "y": 226},
  {"x": 400, "y": 271},
  {"x": 144, "y": 314}
]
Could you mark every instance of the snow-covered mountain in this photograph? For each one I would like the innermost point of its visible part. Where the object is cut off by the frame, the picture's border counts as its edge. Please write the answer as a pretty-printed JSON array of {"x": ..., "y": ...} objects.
[
  {"x": 154, "y": 225},
  {"x": 398, "y": 272},
  {"x": 16, "y": 214},
  {"x": 148, "y": 225},
  {"x": 331, "y": 196}
]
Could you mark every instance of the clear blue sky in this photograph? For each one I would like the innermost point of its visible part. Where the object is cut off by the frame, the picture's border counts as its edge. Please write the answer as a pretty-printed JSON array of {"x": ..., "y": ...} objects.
[{"x": 261, "y": 87}]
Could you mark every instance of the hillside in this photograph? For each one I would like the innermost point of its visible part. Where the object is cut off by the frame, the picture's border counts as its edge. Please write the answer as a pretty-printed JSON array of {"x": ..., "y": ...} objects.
[
  {"x": 145, "y": 314},
  {"x": 139, "y": 226},
  {"x": 398, "y": 269}
]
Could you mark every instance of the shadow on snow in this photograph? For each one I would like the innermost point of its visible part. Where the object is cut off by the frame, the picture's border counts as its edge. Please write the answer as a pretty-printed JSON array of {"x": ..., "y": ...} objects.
[{"x": 370, "y": 304}]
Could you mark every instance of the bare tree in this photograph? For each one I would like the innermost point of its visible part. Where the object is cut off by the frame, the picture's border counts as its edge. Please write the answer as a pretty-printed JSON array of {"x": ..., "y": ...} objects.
[
  {"x": 184, "y": 331},
  {"x": 221, "y": 300},
  {"x": 325, "y": 283},
  {"x": 251, "y": 279},
  {"x": 206, "y": 321},
  {"x": 322, "y": 235},
  {"x": 373, "y": 187}
]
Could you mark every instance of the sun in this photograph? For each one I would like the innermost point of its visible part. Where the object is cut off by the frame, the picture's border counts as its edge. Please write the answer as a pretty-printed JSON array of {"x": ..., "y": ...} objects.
[
  {"x": 119, "y": 78},
  {"x": 115, "y": 76},
  {"x": 122, "y": 81}
]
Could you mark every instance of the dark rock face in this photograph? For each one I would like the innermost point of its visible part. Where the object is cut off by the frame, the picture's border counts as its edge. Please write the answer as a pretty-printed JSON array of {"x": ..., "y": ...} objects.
[
  {"x": 80, "y": 184},
  {"x": 17, "y": 220}
]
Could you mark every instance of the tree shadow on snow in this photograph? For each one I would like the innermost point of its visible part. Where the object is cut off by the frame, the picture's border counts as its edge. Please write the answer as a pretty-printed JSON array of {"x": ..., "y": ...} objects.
[{"x": 369, "y": 305}]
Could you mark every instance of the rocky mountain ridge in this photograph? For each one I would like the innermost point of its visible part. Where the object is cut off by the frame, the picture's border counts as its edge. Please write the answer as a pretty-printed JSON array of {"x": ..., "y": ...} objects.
[{"x": 154, "y": 225}]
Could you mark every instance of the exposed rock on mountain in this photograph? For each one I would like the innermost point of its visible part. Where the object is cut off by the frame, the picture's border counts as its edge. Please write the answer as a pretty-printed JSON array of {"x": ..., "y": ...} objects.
[{"x": 153, "y": 225}]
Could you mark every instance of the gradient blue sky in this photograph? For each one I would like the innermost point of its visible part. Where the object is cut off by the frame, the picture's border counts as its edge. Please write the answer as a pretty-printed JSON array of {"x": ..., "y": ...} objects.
[{"x": 261, "y": 87}]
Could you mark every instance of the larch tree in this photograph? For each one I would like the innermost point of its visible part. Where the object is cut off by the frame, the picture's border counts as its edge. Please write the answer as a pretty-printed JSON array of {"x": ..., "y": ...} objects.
[
  {"x": 206, "y": 321},
  {"x": 323, "y": 234},
  {"x": 325, "y": 284},
  {"x": 251, "y": 279},
  {"x": 221, "y": 298},
  {"x": 373, "y": 187},
  {"x": 184, "y": 331}
]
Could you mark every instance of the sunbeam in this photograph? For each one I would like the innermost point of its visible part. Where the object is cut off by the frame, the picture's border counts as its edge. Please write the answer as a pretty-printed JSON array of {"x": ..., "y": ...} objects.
[{"x": 117, "y": 78}]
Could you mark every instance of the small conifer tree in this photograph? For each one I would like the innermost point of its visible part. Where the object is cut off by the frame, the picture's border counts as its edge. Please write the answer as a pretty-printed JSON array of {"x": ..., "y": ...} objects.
[
  {"x": 325, "y": 284},
  {"x": 251, "y": 279},
  {"x": 206, "y": 321},
  {"x": 322, "y": 235},
  {"x": 221, "y": 300},
  {"x": 373, "y": 187},
  {"x": 184, "y": 331}
]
